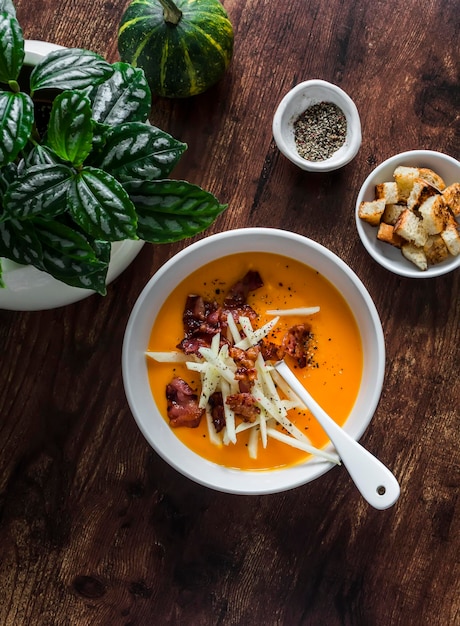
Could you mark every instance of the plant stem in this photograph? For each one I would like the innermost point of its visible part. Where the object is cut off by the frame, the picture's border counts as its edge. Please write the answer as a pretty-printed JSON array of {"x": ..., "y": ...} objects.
[
  {"x": 171, "y": 13},
  {"x": 13, "y": 84}
]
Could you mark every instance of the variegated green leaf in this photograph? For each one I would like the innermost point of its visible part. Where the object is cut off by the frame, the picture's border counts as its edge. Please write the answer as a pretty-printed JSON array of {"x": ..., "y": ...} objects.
[
  {"x": 99, "y": 204},
  {"x": 99, "y": 133},
  {"x": 170, "y": 210},
  {"x": 7, "y": 6},
  {"x": 16, "y": 121},
  {"x": 7, "y": 175},
  {"x": 19, "y": 242},
  {"x": 41, "y": 155},
  {"x": 69, "y": 257},
  {"x": 41, "y": 190},
  {"x": 102, "y": 249},
  {"x": 65, "y": 240},
  {"x": 70, "y": 132},
  {"x": 137, "y": 151},
  {"x": 78, "y": 274},
  {"x": 124, "y": 96},
  {"x": 70, "y": 68},
  {"x": 11, "y": 48}
]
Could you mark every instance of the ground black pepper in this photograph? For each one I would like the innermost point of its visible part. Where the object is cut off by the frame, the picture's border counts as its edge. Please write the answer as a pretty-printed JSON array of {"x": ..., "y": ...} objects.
[{"x": 320, "y": 131}]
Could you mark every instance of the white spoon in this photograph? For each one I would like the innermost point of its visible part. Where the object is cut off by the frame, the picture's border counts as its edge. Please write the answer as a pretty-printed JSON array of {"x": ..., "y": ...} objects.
[{"x": 375, "y": 481}]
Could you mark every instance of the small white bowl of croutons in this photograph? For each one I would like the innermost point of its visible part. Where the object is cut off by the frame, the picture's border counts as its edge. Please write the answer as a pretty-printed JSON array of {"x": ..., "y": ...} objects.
[{"x": 408, "y": 214}]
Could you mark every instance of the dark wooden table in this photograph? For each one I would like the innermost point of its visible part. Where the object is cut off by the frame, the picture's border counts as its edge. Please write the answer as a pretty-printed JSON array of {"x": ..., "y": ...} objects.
[{"x": 94, "y": 527}]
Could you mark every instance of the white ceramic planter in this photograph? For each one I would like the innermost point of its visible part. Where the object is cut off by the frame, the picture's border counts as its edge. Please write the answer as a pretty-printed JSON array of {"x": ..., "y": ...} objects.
[{"x": 29, "y": 289}]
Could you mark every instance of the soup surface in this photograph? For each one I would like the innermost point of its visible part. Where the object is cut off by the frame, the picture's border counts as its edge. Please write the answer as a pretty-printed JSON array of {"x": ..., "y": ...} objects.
[{"x": 332, "y": 377}]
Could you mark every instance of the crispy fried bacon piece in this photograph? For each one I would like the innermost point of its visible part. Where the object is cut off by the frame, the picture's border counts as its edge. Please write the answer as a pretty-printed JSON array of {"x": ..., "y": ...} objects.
[
  {"x": 200, "y": 316},
  {"x": 182, "y": 406},
  {"x": 271, "y": 351},
  {"x": 238, "y": 294},
  {"x": 246, "y": 363},
  {"x": 217, "y": 411},
  {"x": 296, "y": 343},
  {"x": 237, "y": 311},
  {"x": 244, "y": 405},
  {"x": 201, "y": 322},
  {"x": 192, "y": 345},
  {"x": 203, "y": 319}
]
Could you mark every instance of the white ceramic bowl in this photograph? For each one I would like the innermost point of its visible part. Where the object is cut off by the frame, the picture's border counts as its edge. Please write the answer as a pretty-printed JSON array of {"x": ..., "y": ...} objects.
[
  {"x": 385, "y": 254},
  {"x": 295, "y": 102},
  {"x": 155, "y": 428}
]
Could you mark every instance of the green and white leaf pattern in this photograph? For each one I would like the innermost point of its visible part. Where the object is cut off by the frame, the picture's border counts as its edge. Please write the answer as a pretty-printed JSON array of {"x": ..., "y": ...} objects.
[
  {"x": 124, "y": 96},
  {"x": 16, "y": 121},
  {"x": 8, "y": 174},
  {"x": 11, "y": 48},
  {"x": 70, "y": 68},
  {"x": 7, "y": 6},
  {"x": 69, "y": 257},
  {"x": 41, "y": 190},
  {"x": 69, "y": 241},
  {"x": 101, "y": 207},
  {"x": 19, "y": 242},
  {"x": 41, "y": 155},
  {"x": 171, "y": 210},
  {"x": 136, "y": 151}
]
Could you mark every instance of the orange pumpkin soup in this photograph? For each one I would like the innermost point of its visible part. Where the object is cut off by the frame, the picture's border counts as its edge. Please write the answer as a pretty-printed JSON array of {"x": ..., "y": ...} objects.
[{"x": 332, "y": 376}]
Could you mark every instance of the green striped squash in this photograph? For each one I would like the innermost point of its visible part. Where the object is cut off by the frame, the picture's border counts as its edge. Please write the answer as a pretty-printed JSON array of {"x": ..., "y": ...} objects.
[{"x": 183, "y": 47}]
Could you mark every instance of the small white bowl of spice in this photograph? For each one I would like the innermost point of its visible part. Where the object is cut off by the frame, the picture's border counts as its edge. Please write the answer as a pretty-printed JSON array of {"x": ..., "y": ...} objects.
[{"x": 317, "y": 126}]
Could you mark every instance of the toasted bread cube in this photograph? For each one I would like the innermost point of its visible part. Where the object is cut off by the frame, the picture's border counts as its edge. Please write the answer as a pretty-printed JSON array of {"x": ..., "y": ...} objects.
[
  {"x": 392, "y": 213},
  {"x": 435, "y": 249},
  {"x": 451, "y": 237},
  {"x": 432, "y": 178},
  {"x": 451, "y": 195},
  {"x": 404, "y": 178},
  {"x": 421, "y": 191},
  {"x": 415, "y": 255},
  {"x": 410, "y": 228},
  {"x": 372, "y": 211},
  {"x": 435, "y": 214},
  {"x": 387, "y": 191},
  {"x": 386, "y": 233}
]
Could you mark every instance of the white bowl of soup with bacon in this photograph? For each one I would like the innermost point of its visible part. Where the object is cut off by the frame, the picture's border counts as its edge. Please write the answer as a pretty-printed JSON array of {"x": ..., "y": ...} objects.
[{"x": 200, "y": 348}]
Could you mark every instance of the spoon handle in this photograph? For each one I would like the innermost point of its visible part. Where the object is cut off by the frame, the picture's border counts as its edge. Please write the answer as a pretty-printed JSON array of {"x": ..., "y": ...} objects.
[{"x": 373, "y": 479}]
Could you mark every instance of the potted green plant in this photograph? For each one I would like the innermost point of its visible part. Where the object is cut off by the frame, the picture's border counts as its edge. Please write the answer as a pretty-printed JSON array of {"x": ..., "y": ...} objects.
[{"x": 95, "y": 172}]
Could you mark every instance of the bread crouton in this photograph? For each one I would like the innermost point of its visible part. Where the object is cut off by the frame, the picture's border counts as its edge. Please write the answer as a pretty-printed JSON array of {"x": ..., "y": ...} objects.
[
  {"x": 387, "y": 191},
  {"x": 392, "y": 213},
  {"x": 410, "y": 228},
  {"x": 418, "y": 214},
  {"x": 451, "y": 237},
  {"x": 435, "y": 249},
  {"x": 404, "y": 177},
  {"x": 386, "y": 233},
  {"x": 421, "y": 191},
  {"x": 434, "y": 214},
  {"x": 415, "y": 255},
  {"x": 432, "y": 178},
  {"x": 372, "y": 211},
  {"x": 451, "y": 195}
]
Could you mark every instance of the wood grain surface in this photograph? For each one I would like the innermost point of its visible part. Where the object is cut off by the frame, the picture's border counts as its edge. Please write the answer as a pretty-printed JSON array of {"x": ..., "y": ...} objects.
[{"x": 95, "y": 529}]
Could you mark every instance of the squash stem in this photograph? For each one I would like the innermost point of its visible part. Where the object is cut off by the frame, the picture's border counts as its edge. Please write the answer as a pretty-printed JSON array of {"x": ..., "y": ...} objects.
[{"x": 171, "y": 13}]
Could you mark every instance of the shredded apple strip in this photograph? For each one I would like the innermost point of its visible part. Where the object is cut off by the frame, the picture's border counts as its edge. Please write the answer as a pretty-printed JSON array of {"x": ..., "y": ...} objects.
[{"x": 217, "y": 373}]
